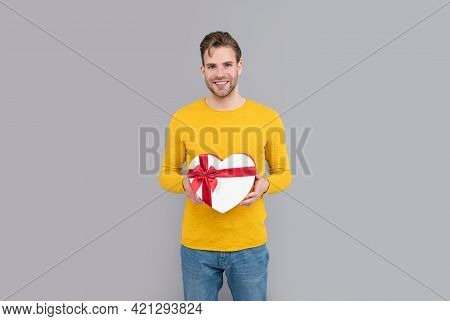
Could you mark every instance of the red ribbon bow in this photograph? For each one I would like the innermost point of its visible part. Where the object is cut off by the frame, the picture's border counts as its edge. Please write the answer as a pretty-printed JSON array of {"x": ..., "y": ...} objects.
[{"x": 206, "y": 176}]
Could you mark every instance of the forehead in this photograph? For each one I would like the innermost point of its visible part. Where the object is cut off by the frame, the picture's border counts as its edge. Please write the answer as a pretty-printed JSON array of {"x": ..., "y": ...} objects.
[{"x": 219, "y": 55}]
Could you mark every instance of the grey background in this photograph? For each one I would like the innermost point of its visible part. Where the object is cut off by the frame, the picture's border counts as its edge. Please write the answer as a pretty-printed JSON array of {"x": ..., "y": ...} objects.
[{"x": 378, "y": 150}]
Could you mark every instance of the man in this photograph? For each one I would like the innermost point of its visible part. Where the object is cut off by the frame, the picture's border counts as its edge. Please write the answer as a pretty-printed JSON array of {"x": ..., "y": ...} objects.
[{"x": 222, "y": 124}]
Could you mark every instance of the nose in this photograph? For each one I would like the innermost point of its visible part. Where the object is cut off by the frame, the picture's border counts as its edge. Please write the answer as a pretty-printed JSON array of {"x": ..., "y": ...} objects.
[{"x": 220, "y": 72}]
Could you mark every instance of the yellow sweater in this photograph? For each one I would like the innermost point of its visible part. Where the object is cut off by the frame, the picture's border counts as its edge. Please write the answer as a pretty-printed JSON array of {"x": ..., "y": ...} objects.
[{"x": 253, "y": 129}]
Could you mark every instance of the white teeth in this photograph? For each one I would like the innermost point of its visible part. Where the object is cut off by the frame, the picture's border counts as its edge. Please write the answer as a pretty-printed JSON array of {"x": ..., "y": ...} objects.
[{"x": 221, "y": 83}]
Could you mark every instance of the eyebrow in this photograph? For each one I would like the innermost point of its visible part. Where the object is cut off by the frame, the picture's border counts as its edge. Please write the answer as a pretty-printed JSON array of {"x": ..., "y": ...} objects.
[{"x": 226, "y": 62}]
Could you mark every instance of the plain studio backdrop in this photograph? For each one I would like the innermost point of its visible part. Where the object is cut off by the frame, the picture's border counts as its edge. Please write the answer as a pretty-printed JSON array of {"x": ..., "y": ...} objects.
[{"x": 78, "y": 79}]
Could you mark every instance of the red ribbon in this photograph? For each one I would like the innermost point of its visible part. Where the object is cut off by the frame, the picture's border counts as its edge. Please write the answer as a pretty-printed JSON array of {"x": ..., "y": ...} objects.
[{"x": 206, "y": 176}]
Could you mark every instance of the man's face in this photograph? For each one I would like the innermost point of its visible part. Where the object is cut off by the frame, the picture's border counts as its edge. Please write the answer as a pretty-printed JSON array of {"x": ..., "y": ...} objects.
[{"x": 221, "y": 72}]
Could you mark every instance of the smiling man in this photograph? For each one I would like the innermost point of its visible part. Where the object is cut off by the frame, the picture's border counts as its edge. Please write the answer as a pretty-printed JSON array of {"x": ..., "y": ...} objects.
[{"x": 225, "y": 123}]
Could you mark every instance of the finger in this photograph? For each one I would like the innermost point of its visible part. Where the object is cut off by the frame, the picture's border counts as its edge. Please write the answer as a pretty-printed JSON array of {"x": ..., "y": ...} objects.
[
  {"x": 258, "y": 176},
  {"x": 189, "y": 192},
  {"x": 187, "y": 188},
  {"x": 191, "y": 195},
  {"x": 196, "y": 200},
  {"x": 196, "y": 197},
  {"x": 250, "y": 195},
  {"x": 248, "y": 201}
]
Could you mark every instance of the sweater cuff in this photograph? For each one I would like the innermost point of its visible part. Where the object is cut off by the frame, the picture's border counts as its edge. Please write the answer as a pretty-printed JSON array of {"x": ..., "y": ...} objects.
[{"x": 268, "y": 187}]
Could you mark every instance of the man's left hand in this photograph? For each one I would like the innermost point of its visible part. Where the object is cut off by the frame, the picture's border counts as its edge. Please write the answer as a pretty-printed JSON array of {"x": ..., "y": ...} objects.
[{"x": 260, "y": 186}]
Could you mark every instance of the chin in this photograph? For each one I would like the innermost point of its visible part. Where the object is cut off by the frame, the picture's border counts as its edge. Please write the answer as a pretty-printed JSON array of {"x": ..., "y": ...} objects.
[{"x": 222, "y": 94}]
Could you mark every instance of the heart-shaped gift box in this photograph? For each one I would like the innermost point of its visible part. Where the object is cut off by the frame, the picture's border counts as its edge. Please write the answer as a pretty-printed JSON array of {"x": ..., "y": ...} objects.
[{"x": 222, "y": 184}]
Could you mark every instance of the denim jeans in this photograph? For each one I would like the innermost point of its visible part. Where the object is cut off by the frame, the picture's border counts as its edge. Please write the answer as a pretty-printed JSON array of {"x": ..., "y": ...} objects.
[{"x": 246, "y": 272}]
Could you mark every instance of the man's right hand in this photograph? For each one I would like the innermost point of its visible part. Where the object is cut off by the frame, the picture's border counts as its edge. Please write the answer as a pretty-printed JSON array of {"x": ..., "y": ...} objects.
[{"x": 188, "y": 190}]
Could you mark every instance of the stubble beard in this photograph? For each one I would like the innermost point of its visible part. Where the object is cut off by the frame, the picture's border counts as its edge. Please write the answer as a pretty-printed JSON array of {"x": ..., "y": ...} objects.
[{"x": 222, "y": 93}]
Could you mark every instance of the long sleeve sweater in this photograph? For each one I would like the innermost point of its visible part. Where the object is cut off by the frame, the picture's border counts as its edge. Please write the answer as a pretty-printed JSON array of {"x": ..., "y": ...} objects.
[{"x": 253, "y": 129}]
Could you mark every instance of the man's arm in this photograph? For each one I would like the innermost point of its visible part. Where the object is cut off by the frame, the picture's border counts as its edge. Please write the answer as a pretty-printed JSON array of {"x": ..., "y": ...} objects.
[
  {"x": 277, "y": 157},
  {"x": 170, "y": 177}
]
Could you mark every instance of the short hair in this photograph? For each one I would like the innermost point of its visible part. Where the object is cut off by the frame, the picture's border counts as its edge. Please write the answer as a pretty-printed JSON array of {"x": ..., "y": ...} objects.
[{"x": 219, "y": 39}]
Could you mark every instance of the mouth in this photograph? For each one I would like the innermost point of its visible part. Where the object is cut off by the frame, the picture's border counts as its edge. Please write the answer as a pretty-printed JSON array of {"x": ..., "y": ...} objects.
[{"x": 221, "y": 84}]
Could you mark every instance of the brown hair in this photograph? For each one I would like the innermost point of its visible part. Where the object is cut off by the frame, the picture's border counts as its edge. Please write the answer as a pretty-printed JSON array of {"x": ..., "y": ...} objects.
[{"x": 219, "y": 39}]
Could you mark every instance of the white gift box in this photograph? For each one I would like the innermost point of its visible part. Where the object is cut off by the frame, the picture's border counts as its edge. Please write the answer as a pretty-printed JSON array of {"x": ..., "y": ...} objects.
[{"x": 222, "y": 184}]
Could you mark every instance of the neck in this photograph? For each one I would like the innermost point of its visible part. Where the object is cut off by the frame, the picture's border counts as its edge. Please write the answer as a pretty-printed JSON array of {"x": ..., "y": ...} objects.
[{"x": 230, "y": 102}]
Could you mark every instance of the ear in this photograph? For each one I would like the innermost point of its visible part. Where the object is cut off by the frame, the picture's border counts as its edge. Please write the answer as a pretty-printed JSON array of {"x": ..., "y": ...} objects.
[{"x": 239, "y": 66}]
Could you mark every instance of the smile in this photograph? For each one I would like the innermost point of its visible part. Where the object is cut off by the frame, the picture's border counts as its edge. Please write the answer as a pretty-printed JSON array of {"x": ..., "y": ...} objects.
[{"x": 220, "y": 83}]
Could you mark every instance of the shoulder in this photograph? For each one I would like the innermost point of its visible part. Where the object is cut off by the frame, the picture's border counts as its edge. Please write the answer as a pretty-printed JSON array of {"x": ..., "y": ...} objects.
[
  {"x": 185, "y": 113},
  {"x": 266, "y": 112},
  {"x": 190, "y": 107}
]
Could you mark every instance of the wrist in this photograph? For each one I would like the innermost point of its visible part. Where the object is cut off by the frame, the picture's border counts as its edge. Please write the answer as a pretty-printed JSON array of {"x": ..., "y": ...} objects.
[
  {"x": 267, "y": 184},
  {"x": 183, "y": 182}
]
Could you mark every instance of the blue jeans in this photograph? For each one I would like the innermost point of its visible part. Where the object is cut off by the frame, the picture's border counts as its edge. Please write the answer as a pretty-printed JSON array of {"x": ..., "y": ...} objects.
[{"x": 246, "y": 272}]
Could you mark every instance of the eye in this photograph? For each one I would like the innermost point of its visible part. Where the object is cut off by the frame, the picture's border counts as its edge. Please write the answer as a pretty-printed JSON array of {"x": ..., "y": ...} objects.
[{"x": 209, "y": 67}]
